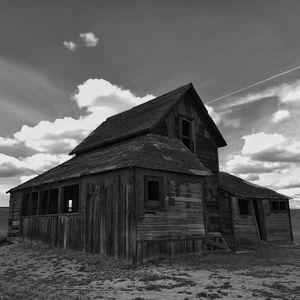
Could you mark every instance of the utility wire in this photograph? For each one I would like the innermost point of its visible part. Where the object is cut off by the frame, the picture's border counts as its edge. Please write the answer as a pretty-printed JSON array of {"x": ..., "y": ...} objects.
[{"x": 252, "y": 85}]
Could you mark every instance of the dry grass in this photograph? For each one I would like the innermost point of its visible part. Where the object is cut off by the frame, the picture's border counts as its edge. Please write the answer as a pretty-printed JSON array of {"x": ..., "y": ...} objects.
[{"x": 35, "y": 272}]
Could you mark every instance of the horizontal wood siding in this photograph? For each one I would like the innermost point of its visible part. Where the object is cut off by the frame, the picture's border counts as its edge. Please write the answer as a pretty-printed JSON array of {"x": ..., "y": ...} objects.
[
  {"x": 63, "y": 231},
  {"x": 14, "y": 218},
  {"x": 244, "y": 226},
  {"x": 110, "y": 215},
  {"x": 277, "y": 224},
  {"x": 178, "y": 226},
  {"x": 204, "y": 148},
  {"x": 225, "y": 212}
]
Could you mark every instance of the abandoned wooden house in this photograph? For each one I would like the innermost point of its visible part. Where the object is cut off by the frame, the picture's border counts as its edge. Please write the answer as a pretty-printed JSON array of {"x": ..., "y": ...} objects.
[
  {"x": 249, "y": 211},
  {"x": 142, "y": 185}
]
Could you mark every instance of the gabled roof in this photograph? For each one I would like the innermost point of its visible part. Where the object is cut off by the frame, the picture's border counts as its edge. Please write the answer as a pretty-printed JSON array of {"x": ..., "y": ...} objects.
[
  {"x": 245, "y": 189},
  {"x": 149, "y": 151},
  {"x": 142, "y": 119}
]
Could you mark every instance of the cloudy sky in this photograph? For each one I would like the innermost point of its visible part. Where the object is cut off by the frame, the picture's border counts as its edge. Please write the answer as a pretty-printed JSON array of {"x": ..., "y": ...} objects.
[{"x": 65, "y": 66}]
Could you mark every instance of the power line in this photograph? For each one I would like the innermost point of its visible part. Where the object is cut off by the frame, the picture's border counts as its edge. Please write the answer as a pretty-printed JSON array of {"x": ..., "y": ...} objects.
[{"x": 252, "y": 85}]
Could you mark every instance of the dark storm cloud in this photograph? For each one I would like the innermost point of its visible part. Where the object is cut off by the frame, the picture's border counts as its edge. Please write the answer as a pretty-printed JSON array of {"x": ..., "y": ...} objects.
[
  {"x": 256, "y": 169},
  {"x": 276, "y": 155}
]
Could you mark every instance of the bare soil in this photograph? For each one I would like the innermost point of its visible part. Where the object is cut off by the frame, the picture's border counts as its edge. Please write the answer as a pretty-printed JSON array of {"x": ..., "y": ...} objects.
[{"x": 36, "y": 272}]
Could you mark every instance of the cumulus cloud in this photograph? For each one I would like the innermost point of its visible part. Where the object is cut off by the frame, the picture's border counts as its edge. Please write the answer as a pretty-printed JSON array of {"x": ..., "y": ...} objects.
[
  {"x": 95, "y": 93},
  {"x": 43, "y": 146},
  {"x": 257, "y": 142},
  {"x": 38, "y": 163},
  {"x": 10, "y": 166},
  {"x": 240, "y": 164},
  {"x": 70, "y": 45},
  {"x": 271, "y": 148},
  {"x": 280, "y": 116},
  {"x": 89, "y": 39}
]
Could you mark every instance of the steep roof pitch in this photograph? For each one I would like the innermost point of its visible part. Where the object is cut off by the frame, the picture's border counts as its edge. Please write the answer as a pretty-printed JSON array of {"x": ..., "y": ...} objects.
[
  {"x": 244, "y": 189},
  {"x": 148, "y": 151},
  {"x": 141, "y": 119}
]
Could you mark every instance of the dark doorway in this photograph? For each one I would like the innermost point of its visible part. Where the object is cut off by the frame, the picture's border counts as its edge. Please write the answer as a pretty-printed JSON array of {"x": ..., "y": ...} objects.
[{"x": 260, "y": 220}]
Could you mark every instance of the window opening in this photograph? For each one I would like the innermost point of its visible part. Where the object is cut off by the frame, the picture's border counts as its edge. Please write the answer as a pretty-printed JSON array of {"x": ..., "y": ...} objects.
[{"x": 244, "y": 207}]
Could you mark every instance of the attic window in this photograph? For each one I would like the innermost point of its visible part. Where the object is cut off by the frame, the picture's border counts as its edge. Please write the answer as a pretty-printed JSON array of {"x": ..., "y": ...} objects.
[
  {"x": 244, "y": 207},
  {"x": 70, "y": 199},
  {"x": 187, "y": 133},
  {"x": 153, "y": 192},
  {"x": 279, "y": 205}
]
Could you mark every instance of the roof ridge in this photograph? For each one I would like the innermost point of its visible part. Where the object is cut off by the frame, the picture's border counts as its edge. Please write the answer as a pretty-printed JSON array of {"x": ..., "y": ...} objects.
[{"x": 149, "y": 101}]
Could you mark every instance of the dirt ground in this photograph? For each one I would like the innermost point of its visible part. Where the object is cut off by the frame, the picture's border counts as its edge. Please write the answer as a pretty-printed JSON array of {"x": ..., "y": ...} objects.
[{"x": 36, "y": 272}]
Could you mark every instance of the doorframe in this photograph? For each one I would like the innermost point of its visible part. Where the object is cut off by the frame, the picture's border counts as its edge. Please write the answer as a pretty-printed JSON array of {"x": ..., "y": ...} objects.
[{"x": 259, "y": 218}]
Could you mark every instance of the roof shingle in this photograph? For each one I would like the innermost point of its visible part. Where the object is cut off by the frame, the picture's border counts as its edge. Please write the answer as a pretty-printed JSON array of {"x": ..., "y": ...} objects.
[
  {"x": 244, "y": 189},
  {"x": 139, "y": 119},
  {"x": 149, "y": 151}
]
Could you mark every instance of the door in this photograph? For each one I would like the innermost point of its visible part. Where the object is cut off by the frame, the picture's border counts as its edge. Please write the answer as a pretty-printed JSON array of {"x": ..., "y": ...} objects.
[{"x": 259, "y": 218}]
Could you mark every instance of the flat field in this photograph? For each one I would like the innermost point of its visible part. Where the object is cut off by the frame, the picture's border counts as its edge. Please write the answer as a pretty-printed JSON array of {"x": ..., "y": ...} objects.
[{"x": 35, "y": 272}]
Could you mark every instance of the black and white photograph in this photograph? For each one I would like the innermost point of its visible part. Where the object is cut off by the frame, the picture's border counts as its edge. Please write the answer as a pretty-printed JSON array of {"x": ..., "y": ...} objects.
[{"x": 150, "y": 149}]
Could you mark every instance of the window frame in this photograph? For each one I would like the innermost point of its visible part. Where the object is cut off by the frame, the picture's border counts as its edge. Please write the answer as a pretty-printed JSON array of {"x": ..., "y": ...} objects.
[
  {"x": 191, "y": 137},
  {"x": 279, "y": 202},
  {"x": 62, "y": 200},
  {"x": 153, "y": 204}
]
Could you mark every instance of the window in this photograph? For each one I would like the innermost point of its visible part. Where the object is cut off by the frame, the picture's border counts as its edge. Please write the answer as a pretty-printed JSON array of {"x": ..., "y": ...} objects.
[
  {"x": 70, "y": 201},
  {"x": 153, "y": 192},
  {"x": 244, "y": 207},
  {"x": 25, "y": 204},
  {"x": 53, "y": 201},
  {"x": 34, "y": 203},
  {"x": 187, "y": 134},
  {"x": 43, "y": 205},
  {"x": 277, "y": 206}
]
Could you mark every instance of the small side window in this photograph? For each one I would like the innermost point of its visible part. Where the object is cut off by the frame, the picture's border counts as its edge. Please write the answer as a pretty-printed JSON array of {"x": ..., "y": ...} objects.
[
  {"x": 277, "y": 206},
  {"x": 70, "y": 201},
  {"x": 153, "y": 192},
  {"x": 244, "y": 207},
  {"x": 25, "y": 204}
]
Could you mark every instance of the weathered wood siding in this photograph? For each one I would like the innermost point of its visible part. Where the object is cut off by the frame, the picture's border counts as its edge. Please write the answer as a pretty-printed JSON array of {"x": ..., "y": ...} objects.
[
  {"x": 278, "y": 225},
  {"x": 204, "y": 148},
  {"x": 14, "y": 218},
  {"x": 244, "y": 226},
  {"x": 62, "y": 231},
  {"x": 225, "y": 212},
  {"x": 178, "y": 227},
  {"x": 105, "y": 223},
  {"x": 110, "y": 226}
]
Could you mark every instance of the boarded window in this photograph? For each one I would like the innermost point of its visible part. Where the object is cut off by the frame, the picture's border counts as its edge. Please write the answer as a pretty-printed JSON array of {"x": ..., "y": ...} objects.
[
  {"x": 279, "y": 205},
  {"x": 153, "y": 192},
  {"x": 244, "y": 207},
  {"x": 34, "y": 203},
  {"x": 70, "y": 201},
  {"x": 43, "y": 205},
  {"x": 187, "y": 133},
  {"x": 53, "y": 201},
  {"x": 25, "y": 204}
]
